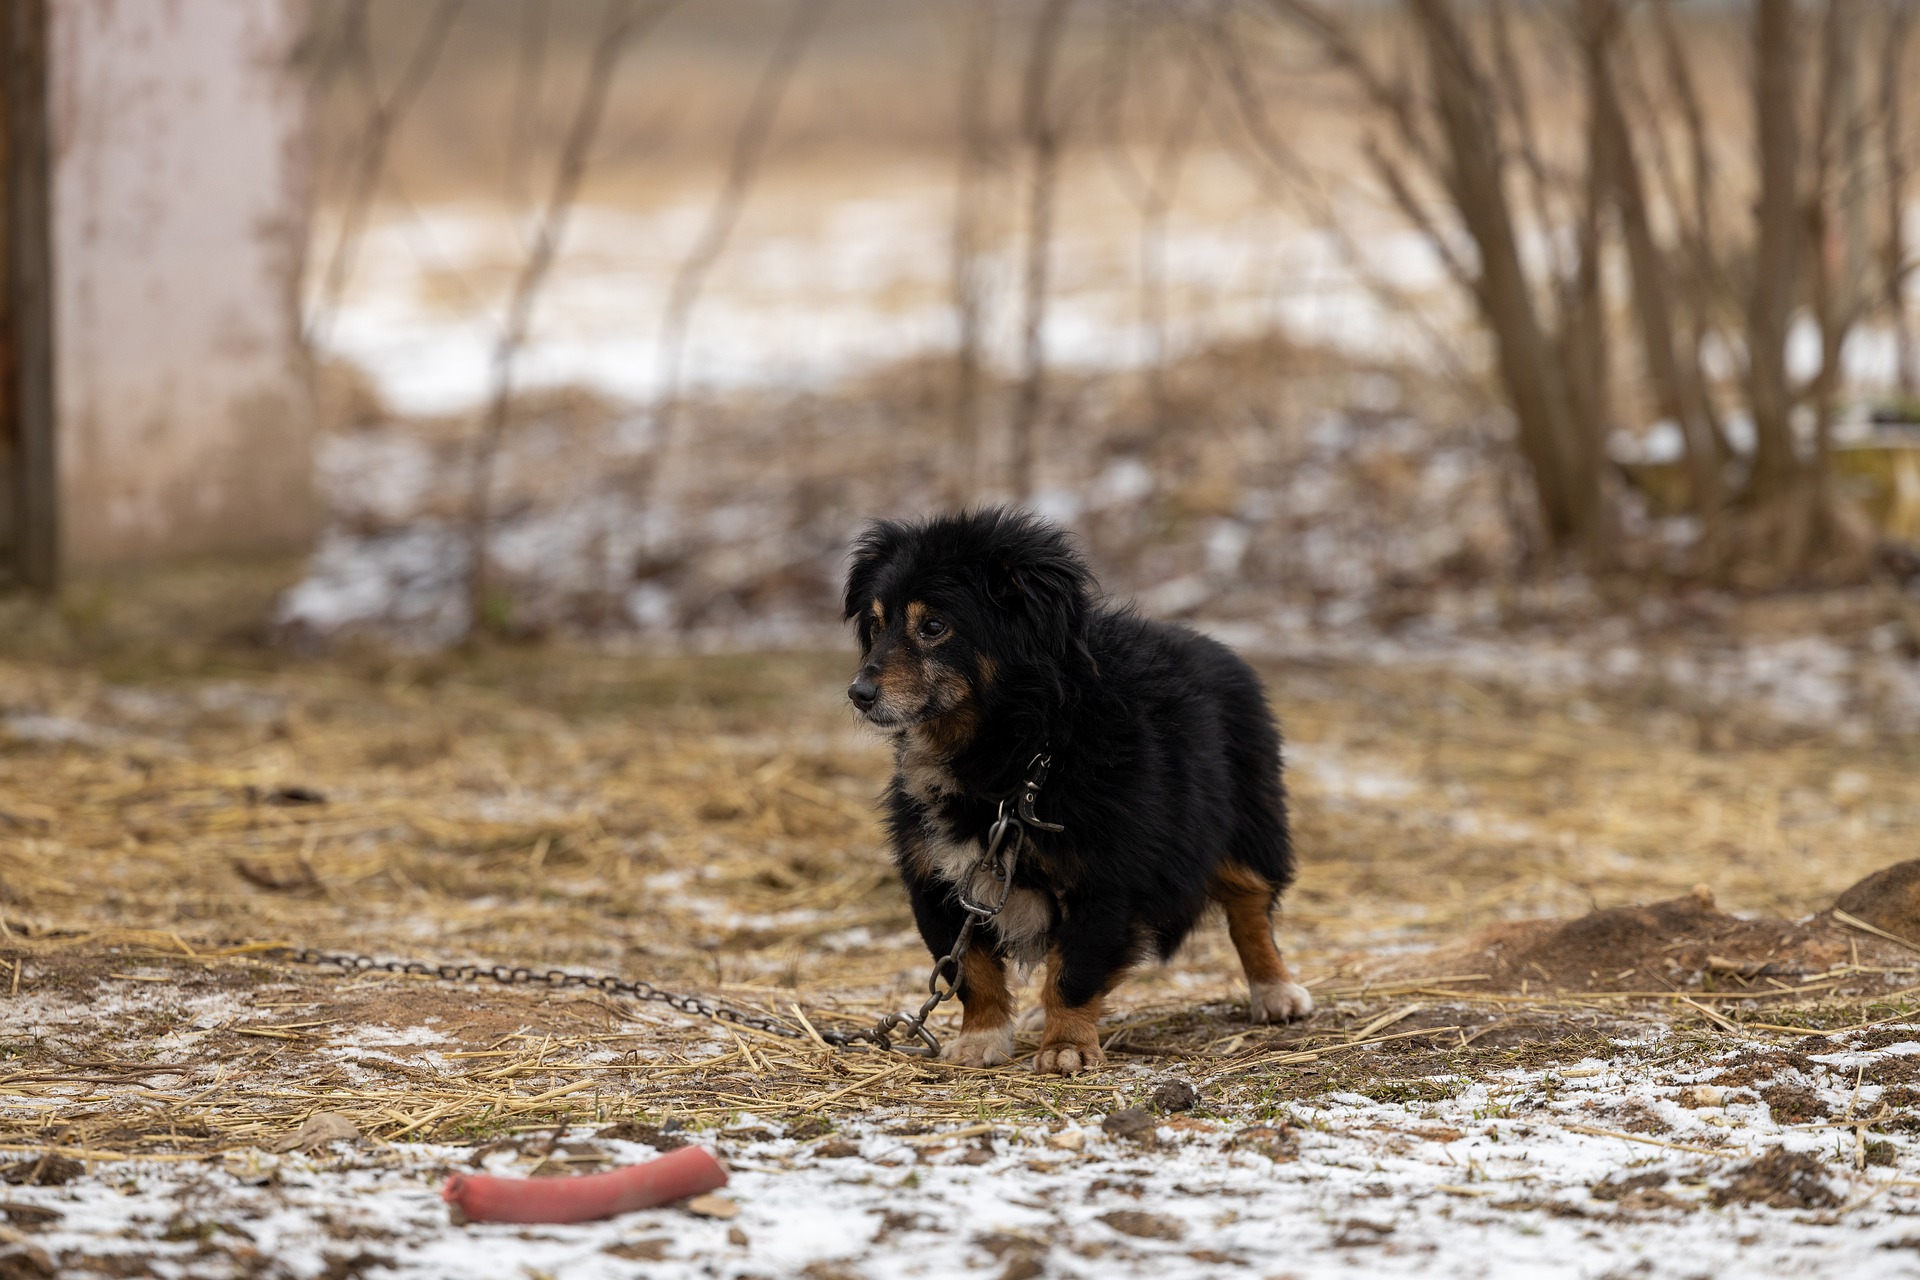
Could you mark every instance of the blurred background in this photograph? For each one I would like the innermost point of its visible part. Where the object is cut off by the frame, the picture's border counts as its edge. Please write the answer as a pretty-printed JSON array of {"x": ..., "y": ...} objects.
[{"x": 1417, "y": 327}]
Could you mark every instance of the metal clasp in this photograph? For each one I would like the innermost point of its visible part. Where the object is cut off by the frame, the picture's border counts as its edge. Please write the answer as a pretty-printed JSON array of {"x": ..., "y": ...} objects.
[
  {"x": 999, "y": 868},
  {"x": 1030, "y": 792}
]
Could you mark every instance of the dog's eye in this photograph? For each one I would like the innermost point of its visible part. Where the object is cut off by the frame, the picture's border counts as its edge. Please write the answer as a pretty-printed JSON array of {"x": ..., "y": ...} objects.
[{"x": 932, "y": 629}]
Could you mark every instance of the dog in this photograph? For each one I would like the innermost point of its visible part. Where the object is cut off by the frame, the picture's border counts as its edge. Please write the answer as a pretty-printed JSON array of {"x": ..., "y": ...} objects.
[{"x": 985, "y": 652}]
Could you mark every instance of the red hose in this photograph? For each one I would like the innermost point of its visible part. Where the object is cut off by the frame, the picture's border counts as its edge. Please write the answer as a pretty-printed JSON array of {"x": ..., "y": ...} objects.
[{"x": 689, "y": 1171}]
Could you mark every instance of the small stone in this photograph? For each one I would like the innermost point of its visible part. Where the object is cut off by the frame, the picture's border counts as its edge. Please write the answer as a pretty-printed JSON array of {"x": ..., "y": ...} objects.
[
  {"x": 660, "y": 1137},
  {"x": 1145, "y": 1226},
  {"x": 1023, "y": 1266},
  {"x": 1274, "y": 1142},
  {"x": 1175, "y": 1095},
  {"x": 712, "y": 1206},
  {"x": 318, "y": 1130},
  {"x": 26, "y": 1263},
  {"x": 735, "y": 1236},
  {"x": 1703, "y": 1095},
  {"x": 1067, "y": 1140},
  {"x": 1136, "y": 1123},
  {"x": 42, "y": 1171}
]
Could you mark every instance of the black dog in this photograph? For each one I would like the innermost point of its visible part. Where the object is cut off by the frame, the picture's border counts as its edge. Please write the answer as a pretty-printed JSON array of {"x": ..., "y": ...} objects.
[{"x": 982, "y": 649}]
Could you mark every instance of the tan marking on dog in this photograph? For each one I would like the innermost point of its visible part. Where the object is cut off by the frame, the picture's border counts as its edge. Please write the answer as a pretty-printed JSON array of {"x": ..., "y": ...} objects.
[
  {"x": 902, "y": 678},
  {"x": 948, "y": 733},
  {"x": 989, "y": 670},
  {"x": 986, "y": 1020},
  {"x": 984, "y": 999},
  {"x": 917, "y": 614},
  {"x": 1071, "y": 1040},
  {"x": 1247, "y": 898},
  {"x": 879, "y": 612}
]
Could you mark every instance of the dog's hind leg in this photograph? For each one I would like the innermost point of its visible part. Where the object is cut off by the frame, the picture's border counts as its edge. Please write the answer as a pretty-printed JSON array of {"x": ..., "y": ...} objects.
[
  {"x": 1247, "y": 898},
  {"x": 986, "y": 1019}
]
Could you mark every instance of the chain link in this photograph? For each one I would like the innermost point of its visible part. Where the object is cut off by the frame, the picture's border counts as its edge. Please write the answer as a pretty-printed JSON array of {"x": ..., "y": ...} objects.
[{"x": 943, "y": 983}]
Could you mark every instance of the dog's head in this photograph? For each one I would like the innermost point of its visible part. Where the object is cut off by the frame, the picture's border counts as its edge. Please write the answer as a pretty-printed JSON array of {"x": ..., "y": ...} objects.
[{"x": 961, "y": 612}]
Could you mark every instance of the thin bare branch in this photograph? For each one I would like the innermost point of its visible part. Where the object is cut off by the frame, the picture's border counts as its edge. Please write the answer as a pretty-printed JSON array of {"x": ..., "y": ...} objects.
[
  {"x": 1510, "y": 79},
  {"x": 1896, "y": 164},
  {"x": 974, "y": 108},
  {"x": 743, "y": 167},
  {"x": 384, "y": 120},
  {"x": 1680, "y": 75},
  {"x": 1041, "y": 128},
  {"x": 1777, "y": 240},
  {"x": 1288, "y": 178},
  {"x": 622, "y": 25},
  {"x": 1151, "y": 191},
  {"x": 1389, "y": 93},
  {"x": 525, "y": 133}
]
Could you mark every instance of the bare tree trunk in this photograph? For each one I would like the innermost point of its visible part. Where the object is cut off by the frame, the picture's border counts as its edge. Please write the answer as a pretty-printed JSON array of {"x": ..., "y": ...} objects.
[
  {"x": 1566, "y": 465},
  {"x": 1041, "y": 132},
  {"x": 618, "y": 30},
  {"x": 1704, "y": 279},
  {"x": 965, "y": 472},
  {"x": 1583, "y": 325},
  {"x": 1678, "y": 389},
  {"x": 1777, "y": 245},
  {"x": 1833, "y": 208},
  {"x": 1894, "y": 267}
]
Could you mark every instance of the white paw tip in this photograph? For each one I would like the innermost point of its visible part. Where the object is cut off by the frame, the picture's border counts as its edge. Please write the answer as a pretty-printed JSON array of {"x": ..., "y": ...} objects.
[
  {"x": 980, "y": 1048},
  {"x": 1279, "y": 1002}
]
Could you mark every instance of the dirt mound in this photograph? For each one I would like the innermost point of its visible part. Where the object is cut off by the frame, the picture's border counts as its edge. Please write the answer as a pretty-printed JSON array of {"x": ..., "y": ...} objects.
[
  {"x": 1684, "y": 944},
  {"x": 1888, "y": 899},
  {"x": 1780, "y": 1179}
]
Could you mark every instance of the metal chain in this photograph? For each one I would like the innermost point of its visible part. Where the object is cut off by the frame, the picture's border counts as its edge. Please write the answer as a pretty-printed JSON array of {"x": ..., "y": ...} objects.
[
  {"x": 943, "y": 983},
  {"x": 559, "y": 980}
]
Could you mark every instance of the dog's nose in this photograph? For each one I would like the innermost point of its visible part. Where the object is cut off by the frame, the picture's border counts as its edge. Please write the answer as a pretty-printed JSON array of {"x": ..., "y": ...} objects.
[{"x": 864, "y": 693}]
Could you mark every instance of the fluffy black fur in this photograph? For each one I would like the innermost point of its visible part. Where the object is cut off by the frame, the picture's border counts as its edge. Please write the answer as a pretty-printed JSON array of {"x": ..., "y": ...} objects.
[{"x": 1166, "y": 758}]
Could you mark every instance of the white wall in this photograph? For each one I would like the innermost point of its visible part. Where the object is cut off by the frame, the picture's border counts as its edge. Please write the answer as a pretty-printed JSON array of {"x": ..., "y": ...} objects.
[{"x": 178, "y": 200}]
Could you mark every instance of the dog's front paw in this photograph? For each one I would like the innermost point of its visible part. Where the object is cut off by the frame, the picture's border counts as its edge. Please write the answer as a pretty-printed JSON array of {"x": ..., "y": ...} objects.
[
  {"x": 1278, "y": 1002},
  {"x": 988, "y": 1048},
  {"x": 1068, "y": 1059}
]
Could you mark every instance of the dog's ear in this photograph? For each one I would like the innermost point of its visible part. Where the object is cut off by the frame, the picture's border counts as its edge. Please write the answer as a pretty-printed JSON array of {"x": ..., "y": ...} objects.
[
  {"x": 1038, "y": 576},
  {"x": 876, "y": 545}
]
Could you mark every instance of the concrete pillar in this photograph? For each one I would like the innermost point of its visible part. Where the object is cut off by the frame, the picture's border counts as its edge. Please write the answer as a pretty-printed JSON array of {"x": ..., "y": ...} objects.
[{"x": 183, "y": 416}]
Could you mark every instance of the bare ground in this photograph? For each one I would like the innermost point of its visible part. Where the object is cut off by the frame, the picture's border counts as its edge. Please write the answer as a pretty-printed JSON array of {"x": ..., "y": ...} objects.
[{"x": 1676, "y": 1089}]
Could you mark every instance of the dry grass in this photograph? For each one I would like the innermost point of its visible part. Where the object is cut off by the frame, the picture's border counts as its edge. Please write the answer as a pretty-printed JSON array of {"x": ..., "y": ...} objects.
[{"x": 705, "y": 824}]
